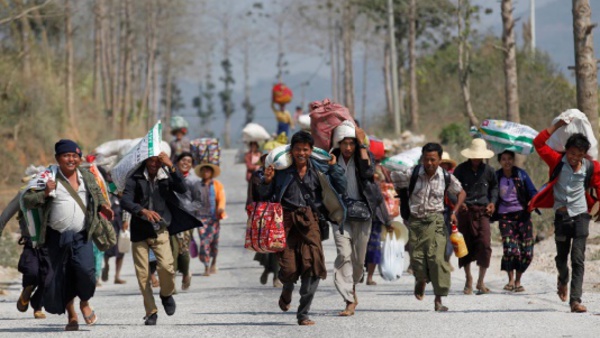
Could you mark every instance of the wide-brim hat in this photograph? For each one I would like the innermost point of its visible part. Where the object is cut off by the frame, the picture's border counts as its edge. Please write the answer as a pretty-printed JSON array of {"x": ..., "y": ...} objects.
[
  {"x": 400, "y": 230},
  {"x": 216, "y": 169},
  {"x": 446, "y": 159},
  {"x": 477, "y": 149}
]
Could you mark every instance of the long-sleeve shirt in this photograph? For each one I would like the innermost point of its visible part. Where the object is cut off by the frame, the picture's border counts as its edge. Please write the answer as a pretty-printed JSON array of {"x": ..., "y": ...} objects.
[{"x": 481, "y": 186}]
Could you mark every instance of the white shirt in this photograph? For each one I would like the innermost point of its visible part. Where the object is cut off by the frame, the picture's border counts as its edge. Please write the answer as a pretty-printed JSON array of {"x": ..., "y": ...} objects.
[
  {"x": 65, "y": 213},
  {"x": 352, "y": 183}
]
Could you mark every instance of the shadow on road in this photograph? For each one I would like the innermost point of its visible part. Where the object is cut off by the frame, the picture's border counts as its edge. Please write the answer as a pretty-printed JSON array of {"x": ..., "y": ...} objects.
[{"x": 240, "y": 324}]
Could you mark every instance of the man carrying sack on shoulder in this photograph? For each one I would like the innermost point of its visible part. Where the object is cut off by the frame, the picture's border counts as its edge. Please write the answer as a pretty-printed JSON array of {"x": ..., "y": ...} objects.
[
  {"x": 571, "y": 175},
  {"x": 70, "y": 205}
]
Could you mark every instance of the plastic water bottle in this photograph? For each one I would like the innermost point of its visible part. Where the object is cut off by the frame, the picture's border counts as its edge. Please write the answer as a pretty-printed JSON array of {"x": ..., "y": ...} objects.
[{"x": 458, "y": 242}]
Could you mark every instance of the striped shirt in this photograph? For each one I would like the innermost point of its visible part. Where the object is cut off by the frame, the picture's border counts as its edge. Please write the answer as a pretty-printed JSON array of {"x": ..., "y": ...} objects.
[{"x": 428, "y": 196}]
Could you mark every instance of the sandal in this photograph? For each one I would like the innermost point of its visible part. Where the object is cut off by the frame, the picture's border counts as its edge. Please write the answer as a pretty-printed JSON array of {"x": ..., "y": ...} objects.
[
  {"x": 90, "y": 319},
  {"x": 105, "y": 274},
  {"x": 440, "y": 308},
  {"x": 483, "y": 290},
  {"x": 39, "y": 314},
  {"x": 306, "y": 322},
  {"x": 519, "y": 288},
  {"x": 509, "y": 287},
  {"x": 186, "y": 282},
  {"x": 283, "y": 305},
  {"x": 420, "y": 290},
  {"x": 371, "y": 282},
  {"x": 468, "y": 290},
  {"x": 349, "y": 311},
  {"x": 73, "y": 325},
  {"x": 22, "y": 304}
]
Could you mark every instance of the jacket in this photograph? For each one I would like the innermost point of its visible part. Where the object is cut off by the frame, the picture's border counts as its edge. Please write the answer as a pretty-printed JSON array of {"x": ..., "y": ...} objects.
[
  {"x": 136, "y": 197},
  {"x": 333, "y": 177},
  {"x": 525, "y": 188},
  {"x": 37, "y": 199},
  {"x": 545, "y": 198},
  {"x": 369, "y": 189},
  {"x": 219, "y": 197}
]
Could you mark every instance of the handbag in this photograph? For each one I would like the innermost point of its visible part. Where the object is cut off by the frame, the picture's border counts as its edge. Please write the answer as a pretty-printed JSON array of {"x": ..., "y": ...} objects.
[
  {"x": 103, "y": 234},
  {"x": 357, "y": 210},
  {"x": 265, "y": 232},
  {"x": 193, "y": 248},
  {"x": 323, "y": 222}
]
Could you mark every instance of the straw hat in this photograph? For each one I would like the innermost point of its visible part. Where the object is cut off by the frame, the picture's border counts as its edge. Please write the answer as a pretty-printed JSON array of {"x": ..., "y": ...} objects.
[
  {"x": 446, "y": 159},
  {"x": 215, "y": 168},
  {"x": 400, "y": 229},
  {"x": 477, "y": 149}
]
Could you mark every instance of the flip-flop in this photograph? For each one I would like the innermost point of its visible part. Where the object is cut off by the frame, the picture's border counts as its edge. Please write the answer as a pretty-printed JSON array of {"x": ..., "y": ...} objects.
[
  {"x": 509, "y": 287},
  {"x": 91, "y": 319},
  {"x": 23, "y": 305},
  {"x": 483, "y": 291},
  {"x": 39, "y": 314},
  {"x": 348, "y": 311},
  {"x": 468, "y": 290},
  {"x": 283, "y": 305},
  {"x": 73, "y": 325},
  {"x": 519, "y": 288},
  {"x": 440, "y": 308},
  {"x": 306, "y": 322}
]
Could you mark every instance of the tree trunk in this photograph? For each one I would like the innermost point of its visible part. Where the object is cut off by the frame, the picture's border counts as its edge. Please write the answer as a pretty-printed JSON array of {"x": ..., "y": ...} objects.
[
  {"x": 412, "y": 64},
  {"x": 364, "y": 85},
  {"x": 44, "y": 36},
  {"x": 387, "y": 81},
  {"x": 510, "y": 62},
  {"x": 69, "y": 95},
  {"x": 167, "y": 80},
  {"x": 464, "y": 51},
  {"x": 338, "y": 62},
  {"x": 125, "y": 92},
  {"x": 348, "y": 66},
  {"x": 25, "y": 40},
  {"x": 97, "y": 51},
  {"x": 585, "y": 62},
  {"x": 114, "y": 36},
  {"x": 331, "y": 34},
  {"x": 151, "y": 10}
]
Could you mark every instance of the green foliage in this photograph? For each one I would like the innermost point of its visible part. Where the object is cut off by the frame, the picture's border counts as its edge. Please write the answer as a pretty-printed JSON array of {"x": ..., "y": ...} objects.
[
  {"x": 455, "y": 134},
  {"x": 227, "y": 92}
]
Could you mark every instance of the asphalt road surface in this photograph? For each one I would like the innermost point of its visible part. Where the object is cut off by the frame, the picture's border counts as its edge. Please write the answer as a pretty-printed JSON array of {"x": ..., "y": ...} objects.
[{"x": 232, "y": 303}]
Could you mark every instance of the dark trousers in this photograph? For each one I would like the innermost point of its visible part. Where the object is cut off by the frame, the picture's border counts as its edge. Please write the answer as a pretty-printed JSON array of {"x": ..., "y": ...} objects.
[
  {"x": 308, "y": 288},
  {"x": 73, "y": 269},
  {"x": 570, "y": 235},
  {"x": 34, "y": 265}
]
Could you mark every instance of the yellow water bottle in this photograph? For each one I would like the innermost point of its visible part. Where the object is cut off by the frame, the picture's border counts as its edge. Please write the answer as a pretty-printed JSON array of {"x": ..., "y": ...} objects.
[{"x": 458, "y": 242}]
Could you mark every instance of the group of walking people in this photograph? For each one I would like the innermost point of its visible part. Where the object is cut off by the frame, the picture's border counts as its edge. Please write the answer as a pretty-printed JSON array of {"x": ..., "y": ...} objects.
[
  {"x": 167, "y": 199},
  {"x": 440, "y": 194}
]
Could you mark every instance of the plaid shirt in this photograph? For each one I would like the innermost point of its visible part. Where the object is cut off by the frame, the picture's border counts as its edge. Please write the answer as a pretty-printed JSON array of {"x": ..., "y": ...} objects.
[{"x": 428, "y": 196}]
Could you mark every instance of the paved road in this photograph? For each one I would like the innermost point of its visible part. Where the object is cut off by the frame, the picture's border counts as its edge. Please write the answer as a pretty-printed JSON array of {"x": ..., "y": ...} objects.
[{"x": 233, "y": 303}]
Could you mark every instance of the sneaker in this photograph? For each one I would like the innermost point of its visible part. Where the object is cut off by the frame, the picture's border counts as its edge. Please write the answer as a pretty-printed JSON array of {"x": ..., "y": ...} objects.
[
  {"x": 151, "y": 319},
  {"x": 169, "y": 304}
]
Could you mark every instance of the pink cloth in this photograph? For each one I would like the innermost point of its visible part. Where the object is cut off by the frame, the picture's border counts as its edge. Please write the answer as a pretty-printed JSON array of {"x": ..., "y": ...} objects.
[{"x": 325, "y": 116}]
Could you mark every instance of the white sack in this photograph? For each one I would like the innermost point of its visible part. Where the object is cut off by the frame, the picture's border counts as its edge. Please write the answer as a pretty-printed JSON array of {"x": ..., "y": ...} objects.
[{"x": 577, "y": 123}]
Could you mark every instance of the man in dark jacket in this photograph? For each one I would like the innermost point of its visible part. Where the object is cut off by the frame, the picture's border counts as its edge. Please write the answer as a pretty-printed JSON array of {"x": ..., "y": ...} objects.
[
  {"x": 148, "y": 195},
  {"x": 301, "y": 190},
  {"x": 364, "y": 202},
  {"x": 479, "y": 182}
]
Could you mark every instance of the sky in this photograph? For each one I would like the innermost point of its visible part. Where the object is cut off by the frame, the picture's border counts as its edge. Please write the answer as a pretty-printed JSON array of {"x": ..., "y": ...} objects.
[{"x": 554, "y": 35}]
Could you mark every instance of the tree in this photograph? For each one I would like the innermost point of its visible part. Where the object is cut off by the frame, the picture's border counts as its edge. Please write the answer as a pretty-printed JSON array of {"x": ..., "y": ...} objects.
[
  {"x": 464, "y": 11},
  {"x": 348, "y": 17},
  {"x": 412, "y": 66},
  {"x": 226, "y": 96},
  {"x": 510, "y": 62},
  {"x": 69, "y": 70},
  {"x": 586, "y": 68}
]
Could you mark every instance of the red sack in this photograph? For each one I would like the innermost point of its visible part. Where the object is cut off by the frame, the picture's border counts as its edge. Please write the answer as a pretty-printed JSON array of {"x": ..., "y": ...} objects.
[
  {"x": 376, "y": 147},
  {"x": 282, "y": 94},
  {"x": 265, "y": 232},
  {"x": 325, "y": 116},
  {"x": 392, "y": 202}
]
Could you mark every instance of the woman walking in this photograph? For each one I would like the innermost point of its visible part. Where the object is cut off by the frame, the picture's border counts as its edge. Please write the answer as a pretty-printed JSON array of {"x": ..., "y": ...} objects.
[
  {"x": 190, "y": 201},
  {"x": 212, "y": 211},
  {"x": 515, "y": 192}
]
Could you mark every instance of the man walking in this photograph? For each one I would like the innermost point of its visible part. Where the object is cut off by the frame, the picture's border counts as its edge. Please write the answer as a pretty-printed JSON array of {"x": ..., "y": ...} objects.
[
  {"x": 428, "y": 232},
  {"x": 571, "y": 175},
  {"x": 70, "y": 205},
  {"x": 364, "y": 202},
  {"x": 481, "y": 185},
  {"x": 301, "y": 189}
]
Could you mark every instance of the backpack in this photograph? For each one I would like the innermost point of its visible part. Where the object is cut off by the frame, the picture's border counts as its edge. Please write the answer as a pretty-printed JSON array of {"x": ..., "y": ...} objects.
[{"x": 405, "y": 193}]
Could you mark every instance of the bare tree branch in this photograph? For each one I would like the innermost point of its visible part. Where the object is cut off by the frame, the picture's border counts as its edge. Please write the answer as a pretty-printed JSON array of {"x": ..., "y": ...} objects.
[{"x": 23, "y": 13}]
